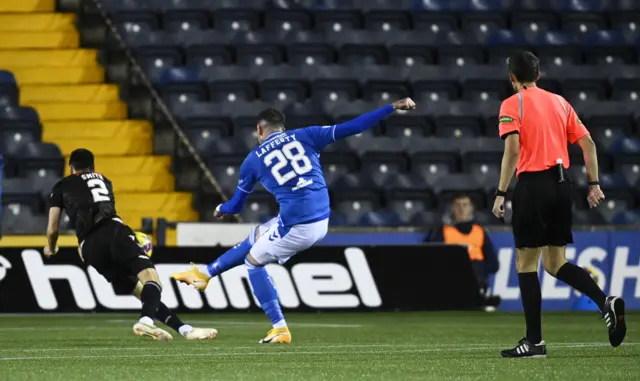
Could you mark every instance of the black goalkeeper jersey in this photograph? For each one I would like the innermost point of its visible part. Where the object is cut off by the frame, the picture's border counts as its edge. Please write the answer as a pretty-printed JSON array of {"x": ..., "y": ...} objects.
[{"x": 87, "y": 198}]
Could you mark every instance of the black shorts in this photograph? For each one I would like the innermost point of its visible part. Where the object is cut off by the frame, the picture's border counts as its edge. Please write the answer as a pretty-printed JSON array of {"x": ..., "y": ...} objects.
[
  {"x": 542, "y": 209},
  {"x": 112, "y": 250}
]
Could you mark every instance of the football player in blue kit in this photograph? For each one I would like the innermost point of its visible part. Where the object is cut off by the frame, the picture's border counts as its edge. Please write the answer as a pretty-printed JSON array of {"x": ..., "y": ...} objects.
[{"x": 287, "y": 164}]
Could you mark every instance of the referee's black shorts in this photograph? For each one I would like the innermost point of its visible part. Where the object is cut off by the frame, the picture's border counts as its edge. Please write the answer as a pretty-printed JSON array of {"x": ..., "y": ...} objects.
[
  {"x": 112, "y": 250},
  {"x": 542, "y": 209}
]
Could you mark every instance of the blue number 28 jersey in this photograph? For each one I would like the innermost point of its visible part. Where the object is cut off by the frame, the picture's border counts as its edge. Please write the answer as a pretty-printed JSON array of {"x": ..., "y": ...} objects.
[{"x": 287, "y": 164}]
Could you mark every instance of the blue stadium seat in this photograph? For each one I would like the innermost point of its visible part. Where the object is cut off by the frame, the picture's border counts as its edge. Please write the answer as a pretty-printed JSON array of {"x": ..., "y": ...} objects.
[
  {"x": 613, "y": 207},
  {"x": 339, "y": 163},
  {"x": 387, "y": 21},
  {"x": 337, "y": 219},
  {"x": 354, "y": 203},
  {"x": 587, "y": 217},
  {"x": 613, "y": 181},
  {"x": 218, "y": 64},
  {"x": 407, "y": 127},
  {"x": 225, "y": 169},
  {"x": 630, "y": 170},
  {"x": 583, "y": 25},
  {"x": 236, "y": 19},
  {"x": 409, "y": 205},
  {"x": 10, "y": 112},
  {"x": 626, "y": 5},
  {"x": 19, "y": 190},
  {"x": 208, "y": 55},
  {"x": 579, "y": 5},
  {"x": 627, "y": 24},
  {"x": 259, "y": 207},
  {"x": 352, "y": 181},
  {"x": 604, "y": 37},
  {"x": 21, "y": 219},
  {"x": 627, "y": 218},
  {"x": 287, "y": 20},
  {"x": 536, "y": 22},
  {"x": 8, "y": 88},
  {"x": 7, "y": 78},
  {"x": 185, "y": 20},
  {"x": 219, "y": 127},
  {"x": 337, "y": 21},
  {"x": 379, "y": 218},
  {"x": 14, "y": 138},
  {"x": 450, "y": 185},
  {"x": 506, "y": 37},
  {"x": 626, "y": 145},
  {"x": 202, "y": 139},
  {"x": 43, "y": 180},
  {"x": 625, "y": 90}
]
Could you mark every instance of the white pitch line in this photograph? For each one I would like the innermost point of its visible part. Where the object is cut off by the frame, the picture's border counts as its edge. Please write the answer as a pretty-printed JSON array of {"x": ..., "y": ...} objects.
[
  {"x": 312, "y": 349},
  {"x": 58, "y": 328},
  {"x": 212, "y": 323},
  {"x": 263, "y": 323},
  {"x": 294, "y": 353},
  {"x": 373, "y": 345}
]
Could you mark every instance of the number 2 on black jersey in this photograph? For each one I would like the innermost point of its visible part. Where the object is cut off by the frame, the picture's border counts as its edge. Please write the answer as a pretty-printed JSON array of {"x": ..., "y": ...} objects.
[{"x": 98, "y": 190}]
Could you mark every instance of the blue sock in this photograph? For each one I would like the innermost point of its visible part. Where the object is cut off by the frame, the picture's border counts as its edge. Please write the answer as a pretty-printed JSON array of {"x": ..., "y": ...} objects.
[
  {"x": 266, "y": 294},
  {"x": 232, "y": 258}
]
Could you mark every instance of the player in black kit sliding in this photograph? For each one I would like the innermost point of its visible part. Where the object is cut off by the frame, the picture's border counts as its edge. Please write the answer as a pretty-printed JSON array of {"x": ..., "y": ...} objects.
[{"x": 110, "y": 246}]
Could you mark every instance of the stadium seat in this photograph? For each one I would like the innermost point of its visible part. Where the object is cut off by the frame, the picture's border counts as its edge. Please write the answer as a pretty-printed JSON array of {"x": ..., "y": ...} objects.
[
  {"x": 217, "y": 64},
  {"x": 352, "y": 204},
  {"x": 20, "y": 219},
  {"x": 259, "y": 208},
  {"x": 411, "y": 206},
  {"x": 379, "y": 218}
]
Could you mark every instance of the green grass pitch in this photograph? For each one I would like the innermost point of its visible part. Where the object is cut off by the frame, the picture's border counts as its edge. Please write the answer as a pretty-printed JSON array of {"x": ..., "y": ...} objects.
[{"x": 367, "y": 346}]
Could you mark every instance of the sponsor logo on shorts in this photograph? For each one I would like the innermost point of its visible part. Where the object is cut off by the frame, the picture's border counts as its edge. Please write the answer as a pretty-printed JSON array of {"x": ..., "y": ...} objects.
[
  {"x": 331, "y": 285},
  {"x": 506, "y": 119}
]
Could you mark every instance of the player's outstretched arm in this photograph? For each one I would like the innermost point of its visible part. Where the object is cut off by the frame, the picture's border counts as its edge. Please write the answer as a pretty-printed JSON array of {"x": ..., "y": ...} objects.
[
  {"x": 246, "y": 181},
  {"x": 368, "y": 120},
  {"x": 234, "y": 205}
]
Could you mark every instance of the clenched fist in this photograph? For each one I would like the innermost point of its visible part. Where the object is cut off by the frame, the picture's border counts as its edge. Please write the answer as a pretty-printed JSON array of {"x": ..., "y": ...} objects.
[{"x": 404, "y": 104}]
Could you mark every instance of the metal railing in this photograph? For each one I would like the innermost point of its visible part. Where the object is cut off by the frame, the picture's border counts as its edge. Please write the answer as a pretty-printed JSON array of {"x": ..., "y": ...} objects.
[{"x": 166, "y": 113}]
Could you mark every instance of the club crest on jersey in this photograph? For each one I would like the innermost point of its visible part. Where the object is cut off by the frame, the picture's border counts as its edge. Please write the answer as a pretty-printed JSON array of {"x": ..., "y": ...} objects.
[{"x": 506, "y": 119}]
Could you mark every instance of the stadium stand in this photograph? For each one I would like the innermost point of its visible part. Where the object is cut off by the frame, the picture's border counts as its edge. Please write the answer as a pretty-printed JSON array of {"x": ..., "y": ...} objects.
[
  {"x": 216, "y": 64},
  {"x": 54, "y": 99}
]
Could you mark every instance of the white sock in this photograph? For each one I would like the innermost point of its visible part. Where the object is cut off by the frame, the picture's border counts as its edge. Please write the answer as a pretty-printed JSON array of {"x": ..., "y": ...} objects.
[
  {"x": 146, "y": 320},
  {"x": 281, "y": 324},
  {"x": 184, "y": 329}
]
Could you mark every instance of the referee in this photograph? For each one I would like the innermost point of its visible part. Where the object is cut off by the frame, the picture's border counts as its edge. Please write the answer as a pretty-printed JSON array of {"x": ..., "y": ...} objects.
[{"x": 537, "y": 126}]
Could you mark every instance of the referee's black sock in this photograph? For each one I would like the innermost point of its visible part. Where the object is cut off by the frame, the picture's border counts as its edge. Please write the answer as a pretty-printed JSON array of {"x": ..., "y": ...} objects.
[
  {"x": 168, "y": 317},
  {"x": 150, "y": 298},
  {"x": 532, "y": 305},
  {"x": 581, "y": 280}
]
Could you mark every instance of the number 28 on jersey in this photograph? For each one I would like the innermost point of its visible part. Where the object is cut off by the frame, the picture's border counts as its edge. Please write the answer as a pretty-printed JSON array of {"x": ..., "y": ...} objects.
[{"x": 288, "y": 162}]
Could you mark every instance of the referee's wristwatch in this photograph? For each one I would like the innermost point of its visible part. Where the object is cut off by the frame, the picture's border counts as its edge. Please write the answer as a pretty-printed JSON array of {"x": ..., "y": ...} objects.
[{"x": 500, "y": 193}]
